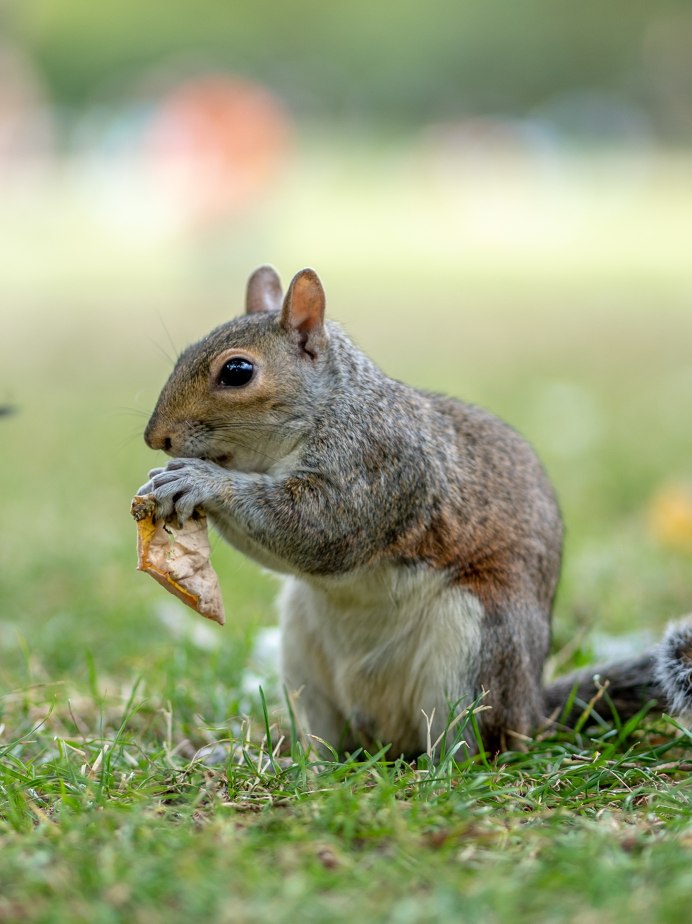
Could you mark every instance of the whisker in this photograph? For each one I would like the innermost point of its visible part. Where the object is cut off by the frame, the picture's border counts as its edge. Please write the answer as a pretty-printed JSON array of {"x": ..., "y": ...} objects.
[
  {"x": 259, "y": 452},
  {"x": 128, "y": 441},
  {"x": 251, "y": 448},
  {"x": 166, "y": 355},
  {"x": 229, "y": 427},
  {"x": 176, "y": 351},
  {"x": 130, "y": 412}
]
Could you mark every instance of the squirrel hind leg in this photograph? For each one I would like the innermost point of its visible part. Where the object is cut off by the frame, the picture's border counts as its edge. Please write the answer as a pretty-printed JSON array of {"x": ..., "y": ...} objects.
[{"x": 673, "y": 667}]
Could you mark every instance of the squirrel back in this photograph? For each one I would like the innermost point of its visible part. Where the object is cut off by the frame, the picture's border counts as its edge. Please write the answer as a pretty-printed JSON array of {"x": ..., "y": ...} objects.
[{"x": 421, "y": 534}]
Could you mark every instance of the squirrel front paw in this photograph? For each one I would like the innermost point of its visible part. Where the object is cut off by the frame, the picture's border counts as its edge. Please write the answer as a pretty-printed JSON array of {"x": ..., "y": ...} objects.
[{"x": 182, "y": 486}]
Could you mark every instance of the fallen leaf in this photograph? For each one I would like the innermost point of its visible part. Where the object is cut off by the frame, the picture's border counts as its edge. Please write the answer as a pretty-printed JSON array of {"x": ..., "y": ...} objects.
[{"x": 178, "y": 558}]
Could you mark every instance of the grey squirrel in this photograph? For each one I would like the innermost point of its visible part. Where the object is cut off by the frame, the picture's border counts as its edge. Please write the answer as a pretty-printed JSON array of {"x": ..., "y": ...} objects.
[{"x": 420, "y": 536}]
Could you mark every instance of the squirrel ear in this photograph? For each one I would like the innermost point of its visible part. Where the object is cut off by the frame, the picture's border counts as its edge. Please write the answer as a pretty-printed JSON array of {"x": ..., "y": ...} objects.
[
  {"x": 303, "y": 311},
  {"x": 263, "y": 291}
]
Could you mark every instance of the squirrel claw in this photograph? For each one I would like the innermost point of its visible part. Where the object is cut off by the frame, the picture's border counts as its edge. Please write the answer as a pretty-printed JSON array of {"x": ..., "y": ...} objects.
[{"x": 179, "y": 488}]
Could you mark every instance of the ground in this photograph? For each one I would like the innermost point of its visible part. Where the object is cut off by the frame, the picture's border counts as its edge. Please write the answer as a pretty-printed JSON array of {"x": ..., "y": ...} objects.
[{"x": 136, "y": 781}]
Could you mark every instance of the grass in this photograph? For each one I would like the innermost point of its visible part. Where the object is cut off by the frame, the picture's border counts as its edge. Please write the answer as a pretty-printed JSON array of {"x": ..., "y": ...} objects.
[
  {"x": 121, "y": 827},
  {"x": 142, "y": 778}
]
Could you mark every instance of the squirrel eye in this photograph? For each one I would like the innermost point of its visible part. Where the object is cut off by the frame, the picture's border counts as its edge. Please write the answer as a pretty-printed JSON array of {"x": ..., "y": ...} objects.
[{"x": 236, "y": 372}]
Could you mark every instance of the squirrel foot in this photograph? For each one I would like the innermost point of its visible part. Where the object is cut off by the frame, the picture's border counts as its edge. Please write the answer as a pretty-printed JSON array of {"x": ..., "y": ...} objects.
[{"x": 183, "y": 486}]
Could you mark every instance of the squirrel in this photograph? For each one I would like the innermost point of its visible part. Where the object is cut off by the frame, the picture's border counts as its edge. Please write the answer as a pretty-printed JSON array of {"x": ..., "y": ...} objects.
[{"x": 420, "y": 537}]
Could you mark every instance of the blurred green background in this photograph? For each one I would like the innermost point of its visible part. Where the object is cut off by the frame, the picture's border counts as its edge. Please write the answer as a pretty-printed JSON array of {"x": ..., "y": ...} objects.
[{"x": 498, "y": 199}]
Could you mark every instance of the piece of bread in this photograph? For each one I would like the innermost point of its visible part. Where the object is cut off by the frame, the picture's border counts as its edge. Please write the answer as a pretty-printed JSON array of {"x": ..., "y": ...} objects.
[{"x": 178, "y": 558}]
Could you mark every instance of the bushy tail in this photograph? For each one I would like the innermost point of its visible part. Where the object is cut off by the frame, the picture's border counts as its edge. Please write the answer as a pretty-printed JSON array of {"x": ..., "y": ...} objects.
[{"x": 663, "y": 676}]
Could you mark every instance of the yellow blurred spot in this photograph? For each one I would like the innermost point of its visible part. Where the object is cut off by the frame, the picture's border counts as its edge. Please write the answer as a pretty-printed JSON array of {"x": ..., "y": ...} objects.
[{"x": 670, "y": 515}]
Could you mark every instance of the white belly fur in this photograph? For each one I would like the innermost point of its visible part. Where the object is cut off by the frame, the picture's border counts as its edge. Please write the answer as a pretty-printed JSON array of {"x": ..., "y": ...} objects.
[{"x": 379, "y": 650}]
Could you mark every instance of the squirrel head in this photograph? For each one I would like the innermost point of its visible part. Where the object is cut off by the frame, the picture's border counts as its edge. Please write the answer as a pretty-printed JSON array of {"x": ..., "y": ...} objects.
[{"x": 244, "y": 394}]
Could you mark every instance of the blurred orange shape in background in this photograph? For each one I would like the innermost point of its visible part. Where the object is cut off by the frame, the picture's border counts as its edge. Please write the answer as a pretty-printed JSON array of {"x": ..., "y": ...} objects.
[
  {"x": 216, "y": 143},
  {"x": 670, "y": 515}
]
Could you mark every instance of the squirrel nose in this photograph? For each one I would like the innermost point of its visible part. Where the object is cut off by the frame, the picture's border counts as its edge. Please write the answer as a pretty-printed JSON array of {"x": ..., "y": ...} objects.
[
  {"x": 163, "y": 443},
  {"x": 157, "y": 439}
]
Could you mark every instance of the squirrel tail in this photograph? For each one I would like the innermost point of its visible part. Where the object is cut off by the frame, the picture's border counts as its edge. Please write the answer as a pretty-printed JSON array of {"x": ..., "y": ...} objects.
[{"x": 663, "y": 676}]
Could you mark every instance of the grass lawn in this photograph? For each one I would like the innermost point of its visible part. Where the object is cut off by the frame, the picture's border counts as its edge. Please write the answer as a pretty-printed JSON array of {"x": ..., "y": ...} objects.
[{"x": 142, "y": 779}]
